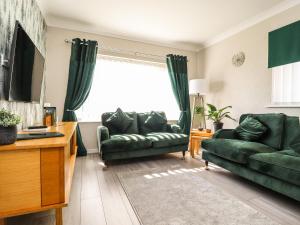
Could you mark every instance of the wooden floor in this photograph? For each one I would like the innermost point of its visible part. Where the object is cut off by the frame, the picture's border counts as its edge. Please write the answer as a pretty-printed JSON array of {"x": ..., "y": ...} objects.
[{"x": 97, "y": 197}]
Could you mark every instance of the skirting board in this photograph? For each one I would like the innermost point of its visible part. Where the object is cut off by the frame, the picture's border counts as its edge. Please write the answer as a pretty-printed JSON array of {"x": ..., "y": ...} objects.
[{"x": 92, "y": 150}]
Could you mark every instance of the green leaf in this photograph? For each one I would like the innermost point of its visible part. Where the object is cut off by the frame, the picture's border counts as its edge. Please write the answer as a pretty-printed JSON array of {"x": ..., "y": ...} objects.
[
  {"x": 218, "y": 115},
  {"x": 199, "y": 110},
  {"x": 8, "y": 119},
  {"x": 229, "y": 117},
  {"x": 211, "y": 107}
]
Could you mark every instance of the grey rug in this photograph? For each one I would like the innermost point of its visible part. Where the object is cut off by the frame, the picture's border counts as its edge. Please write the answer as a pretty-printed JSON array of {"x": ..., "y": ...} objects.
[{"x": 182, "y": 197}]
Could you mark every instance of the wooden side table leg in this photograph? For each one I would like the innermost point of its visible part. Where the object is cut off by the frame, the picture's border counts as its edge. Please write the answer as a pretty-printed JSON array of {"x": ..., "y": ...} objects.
[
  {"x": 3, "y": 221},
  {"x": 197, "y": 147},
  {"x": 58, "y": 215},
  {"x": 192, "y": 148},
  {"x": 190, "y": 143}
]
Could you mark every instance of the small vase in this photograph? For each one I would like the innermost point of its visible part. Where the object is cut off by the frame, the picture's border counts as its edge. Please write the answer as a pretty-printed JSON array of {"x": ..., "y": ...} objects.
[
  {"x": 218, "y": 126},
  {"x": 8, "y": 135}
]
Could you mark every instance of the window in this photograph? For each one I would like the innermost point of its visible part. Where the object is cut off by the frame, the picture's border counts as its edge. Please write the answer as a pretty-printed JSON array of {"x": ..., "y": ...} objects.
[
  {"x": 286, "y": 84},
  {"x": 132, "y": 85}
]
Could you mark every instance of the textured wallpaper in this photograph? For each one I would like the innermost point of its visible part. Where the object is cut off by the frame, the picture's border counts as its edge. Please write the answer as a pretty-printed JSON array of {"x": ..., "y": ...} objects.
[{"x": 28, "y": 14}]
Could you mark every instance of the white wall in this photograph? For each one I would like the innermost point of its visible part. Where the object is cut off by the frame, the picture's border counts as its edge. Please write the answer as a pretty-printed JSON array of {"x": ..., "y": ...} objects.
[
  {"x": 246, "y": 88},
  {"x": 57, "y": 65}
]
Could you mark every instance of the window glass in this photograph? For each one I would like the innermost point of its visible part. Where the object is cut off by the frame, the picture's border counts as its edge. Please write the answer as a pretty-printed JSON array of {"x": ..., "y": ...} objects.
[{"x": 132, "y": 85}]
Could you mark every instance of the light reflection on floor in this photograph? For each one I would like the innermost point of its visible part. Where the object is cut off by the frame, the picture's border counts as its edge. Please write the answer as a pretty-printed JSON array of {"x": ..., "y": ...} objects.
[{"x": 179, "y": 171}]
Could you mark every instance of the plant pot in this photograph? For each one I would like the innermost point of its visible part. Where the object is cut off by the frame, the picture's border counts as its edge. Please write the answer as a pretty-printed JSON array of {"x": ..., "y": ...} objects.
[
  {"x": 218, "y": 126},
  {"x": 8, "y": 135}
]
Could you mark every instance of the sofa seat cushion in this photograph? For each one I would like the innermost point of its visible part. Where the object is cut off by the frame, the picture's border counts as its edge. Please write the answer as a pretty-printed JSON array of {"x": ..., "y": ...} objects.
[
  {"x": 163, "y": 139},
  {"x": 284, "y": 165},
  {"x": 234, "y": 150},
  {"x": 125, "y": 142}
]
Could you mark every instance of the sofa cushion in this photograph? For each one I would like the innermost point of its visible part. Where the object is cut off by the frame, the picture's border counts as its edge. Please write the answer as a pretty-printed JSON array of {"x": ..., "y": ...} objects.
[
  {"x": 292, "y": 127},
  {"x": 156, "y": 122},
  {"x": 275, "y": 123},
  {"x": 250, "y": 129},
  {"x": 284, "y": 165},
  {"x": 163, "y": 139},
  {"x": 132, "y": 129},
  {"x": 295, "y": 142},
  {"x": 119, "y": 120},
  {"x": 234, "y": 150},
  {"x": 124, "y": 142},
  {"x": 143, "y": 129}
]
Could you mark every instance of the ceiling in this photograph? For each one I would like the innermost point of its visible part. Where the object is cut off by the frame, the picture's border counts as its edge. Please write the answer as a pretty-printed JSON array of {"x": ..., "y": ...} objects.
[{"x": 186, "y": 24}]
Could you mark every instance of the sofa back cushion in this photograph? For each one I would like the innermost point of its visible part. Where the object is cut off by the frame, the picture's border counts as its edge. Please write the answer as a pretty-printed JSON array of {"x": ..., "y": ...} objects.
[
  {"x": 132, "y": 129},
  {"x": 275, "y": 123},
  {"x": 292, "y": 127},
  {"x": 144, "y": 129}
]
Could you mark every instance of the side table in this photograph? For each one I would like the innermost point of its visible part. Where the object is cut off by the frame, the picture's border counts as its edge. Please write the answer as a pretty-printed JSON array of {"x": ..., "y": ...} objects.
[{"x": 196, "y": 137}]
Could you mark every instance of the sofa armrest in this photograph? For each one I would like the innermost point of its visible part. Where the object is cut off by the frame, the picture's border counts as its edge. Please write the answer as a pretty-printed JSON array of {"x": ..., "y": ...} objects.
[
  {"x": 226, "y": 134},
  {"x": 175, "y": 129},
  {"x": 102, "y": 135}
]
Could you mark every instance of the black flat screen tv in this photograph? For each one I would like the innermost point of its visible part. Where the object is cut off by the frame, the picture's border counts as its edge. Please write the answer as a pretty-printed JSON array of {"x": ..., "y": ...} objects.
[{"x": 26, "y": 68}]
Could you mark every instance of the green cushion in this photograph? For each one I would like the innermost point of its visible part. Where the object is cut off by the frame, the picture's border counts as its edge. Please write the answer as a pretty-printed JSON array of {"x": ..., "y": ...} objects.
[
  {"x": 295, "y": 142},
  {"x": 124, "y": 142},
  {"x": 175, "y": 128},
  {"x": 143, "y": 129},
  {"x": 250, "y": 129},
  {"x": 292, "y": 127},
  {"x": 156, "y": 122},
  {"x": 142, "y": 152},
  {"x": 132, "y": 129},
  {"x": 275, "y": 124},
  {"x": 120, "y": 120},
  {"x": 225, "y": 134},
  {"x": 163, "y": 139},
  {"x": 284, "y": 165},
  {"x": 234, "y": 150}
]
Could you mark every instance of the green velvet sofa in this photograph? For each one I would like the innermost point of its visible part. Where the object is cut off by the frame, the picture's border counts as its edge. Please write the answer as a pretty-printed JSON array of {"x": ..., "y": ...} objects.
[
  {"x": 139, "y": 140},
  {"x": 269, "y": 162}
]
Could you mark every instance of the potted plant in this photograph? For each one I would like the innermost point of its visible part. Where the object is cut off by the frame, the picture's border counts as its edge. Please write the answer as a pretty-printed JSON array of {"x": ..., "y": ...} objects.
[
  {"x": 199, "y": 111},
  {"x": 8, "y": 127},
  {"x": 217, "y": 115}
]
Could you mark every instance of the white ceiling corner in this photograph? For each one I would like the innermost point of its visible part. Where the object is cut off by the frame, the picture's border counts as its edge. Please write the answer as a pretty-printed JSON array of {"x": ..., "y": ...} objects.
[{"x": 251, "y": 22}]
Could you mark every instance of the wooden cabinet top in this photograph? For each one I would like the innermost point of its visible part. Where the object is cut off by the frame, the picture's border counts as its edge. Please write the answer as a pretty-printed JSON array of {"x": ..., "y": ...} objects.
[{"x": 67, "y": 128}]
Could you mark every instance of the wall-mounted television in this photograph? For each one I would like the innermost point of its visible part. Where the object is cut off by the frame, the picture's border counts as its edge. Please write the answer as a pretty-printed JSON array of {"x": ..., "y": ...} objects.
[{"x": 26, "y": 68}]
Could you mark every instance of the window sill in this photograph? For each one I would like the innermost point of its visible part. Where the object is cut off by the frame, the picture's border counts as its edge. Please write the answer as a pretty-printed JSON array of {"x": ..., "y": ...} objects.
[{"x": 283, "y": 106}]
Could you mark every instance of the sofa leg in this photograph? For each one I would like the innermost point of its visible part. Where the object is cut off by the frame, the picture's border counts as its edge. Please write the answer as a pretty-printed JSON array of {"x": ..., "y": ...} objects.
[
  {"x": 206, "y": 165},
  {"x": 105, "y": 166},
  {"x": 183, "y": 155}
]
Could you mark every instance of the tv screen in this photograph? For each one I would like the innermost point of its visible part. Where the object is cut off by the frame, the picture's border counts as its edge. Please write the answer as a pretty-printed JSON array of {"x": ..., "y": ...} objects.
[{"x": 25, "y": 77}]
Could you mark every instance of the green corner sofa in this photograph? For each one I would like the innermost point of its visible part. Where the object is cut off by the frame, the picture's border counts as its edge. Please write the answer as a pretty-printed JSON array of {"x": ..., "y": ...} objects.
[
  {"x": 139, "y": 140},
  {"x": 269, "y": 162}
]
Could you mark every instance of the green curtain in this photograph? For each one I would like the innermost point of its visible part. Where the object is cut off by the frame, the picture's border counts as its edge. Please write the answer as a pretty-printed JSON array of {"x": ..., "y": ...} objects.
[
  {"x": 177, "y": 67},
  {"x": 284, "y": 45},
  {"x": 81, "y": 69}
]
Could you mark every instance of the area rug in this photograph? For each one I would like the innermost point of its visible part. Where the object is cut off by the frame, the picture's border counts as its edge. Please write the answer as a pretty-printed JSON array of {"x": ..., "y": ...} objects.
[{"x": 181, "y": 197}]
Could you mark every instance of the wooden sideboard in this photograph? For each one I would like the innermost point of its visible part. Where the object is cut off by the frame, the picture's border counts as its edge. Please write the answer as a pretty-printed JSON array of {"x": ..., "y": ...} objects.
[{"x": 36, "y": 175}]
